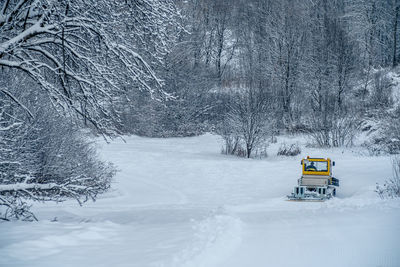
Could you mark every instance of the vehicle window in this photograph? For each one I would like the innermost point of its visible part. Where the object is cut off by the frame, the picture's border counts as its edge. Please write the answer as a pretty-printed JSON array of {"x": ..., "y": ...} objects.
[{"x": 319, "y": 166}]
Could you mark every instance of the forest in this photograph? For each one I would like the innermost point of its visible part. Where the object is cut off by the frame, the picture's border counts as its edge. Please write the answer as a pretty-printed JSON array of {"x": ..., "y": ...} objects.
[{"x": 247, "y": 70}]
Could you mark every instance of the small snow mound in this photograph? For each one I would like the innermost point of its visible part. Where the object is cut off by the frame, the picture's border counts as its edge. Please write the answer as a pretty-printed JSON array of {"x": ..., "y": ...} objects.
[{"x": 215, "y": 239}]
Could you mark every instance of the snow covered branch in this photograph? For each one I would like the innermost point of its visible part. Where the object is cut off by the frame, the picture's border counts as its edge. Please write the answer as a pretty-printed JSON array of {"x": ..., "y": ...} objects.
[
  {"x": 87, "y": 51},
  {"x": 80, "y": 188}
]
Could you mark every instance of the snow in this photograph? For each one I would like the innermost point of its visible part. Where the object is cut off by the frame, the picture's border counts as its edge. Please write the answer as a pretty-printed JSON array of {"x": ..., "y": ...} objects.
[{"x": 179, "y": 202}]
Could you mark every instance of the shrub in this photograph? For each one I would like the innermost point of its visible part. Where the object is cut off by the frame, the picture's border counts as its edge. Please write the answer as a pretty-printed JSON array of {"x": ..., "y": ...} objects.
[
  {"x": 391, "y": 187},
  {"x": 45, "y": 158},
  {"x": 289, "y": 150},
  {"x": 335, "y": 132}
]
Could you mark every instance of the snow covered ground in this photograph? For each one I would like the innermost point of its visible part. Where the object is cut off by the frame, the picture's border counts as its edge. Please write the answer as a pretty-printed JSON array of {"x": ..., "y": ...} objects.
[{"x": 179, "y": 202}]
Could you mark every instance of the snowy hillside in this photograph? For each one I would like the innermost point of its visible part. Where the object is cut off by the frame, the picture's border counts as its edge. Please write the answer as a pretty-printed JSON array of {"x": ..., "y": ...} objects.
[{"x": 179, "y": 202}]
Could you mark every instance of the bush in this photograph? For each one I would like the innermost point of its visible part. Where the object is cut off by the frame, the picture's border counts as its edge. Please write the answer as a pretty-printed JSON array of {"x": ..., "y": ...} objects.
[
  {"x": 385, "y": 133},
  {"x": 45, "y": 158},
  {"x": 335, "y": 132},
  {"x": 289, "y": 150},
  {"x": 391, "y": 188}
]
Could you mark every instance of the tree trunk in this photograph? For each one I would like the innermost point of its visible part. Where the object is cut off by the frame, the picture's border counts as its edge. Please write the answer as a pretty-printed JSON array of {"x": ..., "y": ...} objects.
[{"x": 248, "y": 152}]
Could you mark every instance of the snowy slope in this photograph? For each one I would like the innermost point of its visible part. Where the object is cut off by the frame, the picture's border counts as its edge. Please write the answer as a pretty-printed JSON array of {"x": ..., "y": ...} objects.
[{"x": 178, "y": 202}]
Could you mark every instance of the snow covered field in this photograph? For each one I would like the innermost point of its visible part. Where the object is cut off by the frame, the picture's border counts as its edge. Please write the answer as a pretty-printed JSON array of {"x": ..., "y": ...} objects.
[{"x": 179, "y": 202}]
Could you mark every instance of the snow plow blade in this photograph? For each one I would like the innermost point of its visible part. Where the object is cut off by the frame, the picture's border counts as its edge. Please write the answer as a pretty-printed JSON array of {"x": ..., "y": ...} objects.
[
  {"x": 306, "y": 193},
  {"x": 306, "y": 199}
]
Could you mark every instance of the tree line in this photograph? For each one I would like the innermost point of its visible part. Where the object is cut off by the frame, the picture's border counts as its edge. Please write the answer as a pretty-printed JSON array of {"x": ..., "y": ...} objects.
[{"x": 252, "y": 69}]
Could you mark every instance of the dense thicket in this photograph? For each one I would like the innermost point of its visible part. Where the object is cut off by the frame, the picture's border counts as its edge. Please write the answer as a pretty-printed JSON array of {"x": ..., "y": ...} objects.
[
  {"x": 45, "y": 155},
  {"x": 319, "y": 62}
]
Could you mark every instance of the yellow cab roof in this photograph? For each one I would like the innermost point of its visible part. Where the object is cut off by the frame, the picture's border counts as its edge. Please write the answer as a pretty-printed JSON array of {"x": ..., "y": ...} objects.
[{"x": 317, "y": 159}]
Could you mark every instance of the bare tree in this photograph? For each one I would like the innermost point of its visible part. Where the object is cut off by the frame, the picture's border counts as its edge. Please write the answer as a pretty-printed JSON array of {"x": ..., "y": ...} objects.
[
  {"x": 250, "y": 115},
  {"x": 286, "y": 35},
  {"x": 395, "y": 30}
]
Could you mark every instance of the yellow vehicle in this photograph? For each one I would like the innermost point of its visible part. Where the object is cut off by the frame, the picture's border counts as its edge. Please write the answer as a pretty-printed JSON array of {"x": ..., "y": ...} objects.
[{"x": 316, "y": 182}]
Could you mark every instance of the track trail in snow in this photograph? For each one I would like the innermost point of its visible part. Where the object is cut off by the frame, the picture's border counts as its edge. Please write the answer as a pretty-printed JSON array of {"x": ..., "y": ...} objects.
[
  {"x": 250, "y": 194},
  {"x": 178, "y": 202}
]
